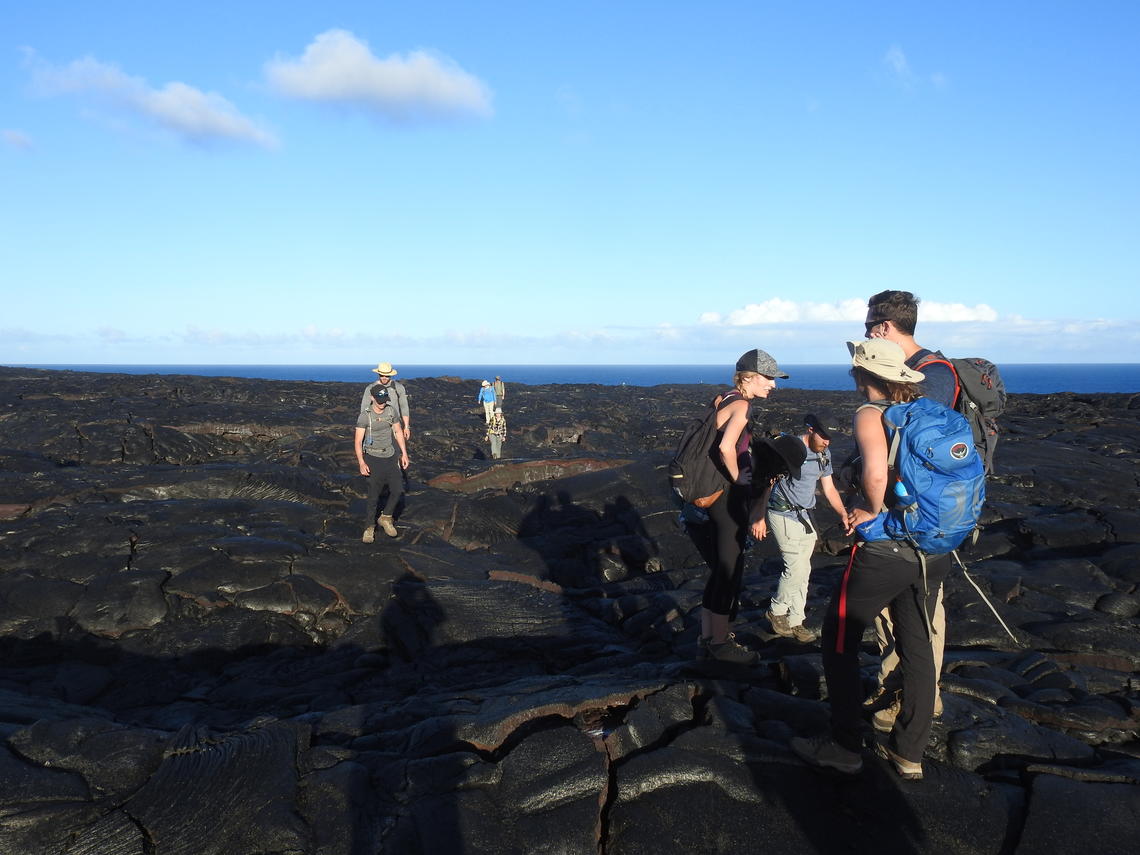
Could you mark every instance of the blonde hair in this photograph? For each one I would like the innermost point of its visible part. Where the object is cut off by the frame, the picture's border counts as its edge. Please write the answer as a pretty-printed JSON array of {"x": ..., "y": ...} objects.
[{"x": 742, "y": 377}]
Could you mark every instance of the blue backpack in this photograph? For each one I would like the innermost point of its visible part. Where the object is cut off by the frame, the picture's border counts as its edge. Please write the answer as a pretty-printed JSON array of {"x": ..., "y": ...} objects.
[{"x": 941, "y": 484}]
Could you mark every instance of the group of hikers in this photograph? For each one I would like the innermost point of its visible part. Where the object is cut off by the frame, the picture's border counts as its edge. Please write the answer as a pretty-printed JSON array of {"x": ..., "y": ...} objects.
[
  {"x": 892, "y": 581},
  {"x": 381, "y": 442}
]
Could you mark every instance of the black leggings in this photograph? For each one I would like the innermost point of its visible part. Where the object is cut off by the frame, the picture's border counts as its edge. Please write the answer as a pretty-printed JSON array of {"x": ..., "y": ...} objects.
[
  {"x": 386, "y": 472},
  {"x": 721, "y": 544},
  {"x": 880, "y": 574}
]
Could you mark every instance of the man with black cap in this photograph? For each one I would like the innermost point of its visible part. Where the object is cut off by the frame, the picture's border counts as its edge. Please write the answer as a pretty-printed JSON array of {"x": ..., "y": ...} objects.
[
  {"x": 379, "y": 433},
  {"x": 791, "y": 524}
]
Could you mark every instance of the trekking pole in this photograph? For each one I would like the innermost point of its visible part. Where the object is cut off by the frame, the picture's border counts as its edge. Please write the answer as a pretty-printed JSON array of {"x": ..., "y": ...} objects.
[{"x": 985, "y": 599}]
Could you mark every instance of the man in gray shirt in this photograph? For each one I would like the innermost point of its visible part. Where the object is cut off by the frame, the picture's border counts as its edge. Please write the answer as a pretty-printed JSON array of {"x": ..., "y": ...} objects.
[
  {"x": 377, "y": 439},
  {"x": 790, "y": 522}
]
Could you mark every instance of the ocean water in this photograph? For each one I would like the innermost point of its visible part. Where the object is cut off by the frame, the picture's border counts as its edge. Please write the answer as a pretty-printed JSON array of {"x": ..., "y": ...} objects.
[{"x": 1025, "y": 379}]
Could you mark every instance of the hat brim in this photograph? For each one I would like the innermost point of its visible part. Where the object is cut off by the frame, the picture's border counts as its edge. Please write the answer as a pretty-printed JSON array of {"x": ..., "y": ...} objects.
[{"x": 793, "y": 466}]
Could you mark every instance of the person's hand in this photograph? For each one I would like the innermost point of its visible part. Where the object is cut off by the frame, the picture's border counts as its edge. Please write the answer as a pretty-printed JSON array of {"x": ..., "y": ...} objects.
[
  {"x": 407, "y": 433},
  {"x": 404, "y": 460},
  {"x": 759, "y": 529},
  {"x": 856, "y": 517},
  {"x": 364, "y": 470}
]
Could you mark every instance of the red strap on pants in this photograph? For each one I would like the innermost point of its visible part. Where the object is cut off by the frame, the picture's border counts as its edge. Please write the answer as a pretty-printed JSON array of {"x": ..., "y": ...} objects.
[{"x": 841, "y": 631}]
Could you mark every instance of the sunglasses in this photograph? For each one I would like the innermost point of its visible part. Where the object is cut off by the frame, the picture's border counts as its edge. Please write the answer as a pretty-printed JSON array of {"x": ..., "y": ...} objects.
[{"x": 869, "y": 326}]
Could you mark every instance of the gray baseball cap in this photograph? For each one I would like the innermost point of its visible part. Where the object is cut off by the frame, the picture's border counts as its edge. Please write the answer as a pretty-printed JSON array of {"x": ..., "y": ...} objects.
[{"x": 761, "y": 362}]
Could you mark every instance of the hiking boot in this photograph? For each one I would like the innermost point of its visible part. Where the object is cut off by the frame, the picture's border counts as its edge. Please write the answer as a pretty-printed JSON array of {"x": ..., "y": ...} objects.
[
  {"x": 386, "y": 524},
  {"x": 825, "y": 752},
  {"x": 907, "y": 769},
  {"x": 880, "y": 698},
  {"x": 780, "y": 624},
  {"x": 730, "y": 650},
  {"x": 369, "y": 534},
  {"x": 884, "y": 720},
  {"x": 802, "y": 634}
]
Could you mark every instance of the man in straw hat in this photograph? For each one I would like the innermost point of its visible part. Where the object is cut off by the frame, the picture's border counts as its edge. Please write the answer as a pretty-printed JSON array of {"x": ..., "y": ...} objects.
[{"x": 396, "y": 392}]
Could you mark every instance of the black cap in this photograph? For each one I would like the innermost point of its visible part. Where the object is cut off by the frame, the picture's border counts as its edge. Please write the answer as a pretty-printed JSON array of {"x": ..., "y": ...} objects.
[
  {"x": 790, "y": 450},
  {"x": 822, "y": 422},
  {"x": 379, "y": 394}
]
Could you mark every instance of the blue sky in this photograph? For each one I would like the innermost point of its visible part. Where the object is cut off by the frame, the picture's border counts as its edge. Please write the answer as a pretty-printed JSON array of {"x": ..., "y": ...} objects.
[{"x": 587, "y": 182}]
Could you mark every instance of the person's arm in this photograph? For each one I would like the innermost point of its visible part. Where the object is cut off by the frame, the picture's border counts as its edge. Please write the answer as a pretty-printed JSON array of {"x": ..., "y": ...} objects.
[
  {"x": 758, "y": 513},
  {"x": 733, "y": 428},
  {"x": 405, "y": 416},
  {"x": 872, "y": 443},
  {"x": 827, "y": 485},
  {"x": 398, "y": 435},
  {"x": 358, "y": 440}
]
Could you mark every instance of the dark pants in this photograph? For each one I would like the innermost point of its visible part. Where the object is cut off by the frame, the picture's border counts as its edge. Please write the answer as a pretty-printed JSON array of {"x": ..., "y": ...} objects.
[
  {"x": 881, "y": 574},
  {"x": 385, "y": 472},
  {"x": 721, "y": 543}
]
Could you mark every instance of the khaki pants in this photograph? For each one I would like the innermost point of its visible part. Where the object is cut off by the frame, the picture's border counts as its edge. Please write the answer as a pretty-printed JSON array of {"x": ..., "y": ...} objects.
[{"x": 885, "y": 636}]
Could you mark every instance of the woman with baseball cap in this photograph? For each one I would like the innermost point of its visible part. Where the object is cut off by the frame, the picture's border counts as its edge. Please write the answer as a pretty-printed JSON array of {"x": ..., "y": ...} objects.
[{"x": 721, "y": 540}]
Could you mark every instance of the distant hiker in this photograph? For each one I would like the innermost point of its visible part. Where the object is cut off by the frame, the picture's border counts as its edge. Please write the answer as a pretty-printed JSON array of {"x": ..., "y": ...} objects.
[
  {"x": 893, "y": 315},
  {"x": 486, "y": 397},
  {"x": 397, "y": 393},
  {"x": 881, "y": 573},
  {"x": 377, "y": 438},
  {"x": 730, "y": 516},
  {"x": 500, "y": 390},
  {"x": 497, "y": 432},
  {"x": 792, "y": 525}
]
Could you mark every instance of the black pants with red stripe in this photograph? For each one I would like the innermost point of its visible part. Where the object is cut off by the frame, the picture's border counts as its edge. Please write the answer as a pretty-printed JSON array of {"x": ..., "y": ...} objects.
[{"x": 881, "y": 574}]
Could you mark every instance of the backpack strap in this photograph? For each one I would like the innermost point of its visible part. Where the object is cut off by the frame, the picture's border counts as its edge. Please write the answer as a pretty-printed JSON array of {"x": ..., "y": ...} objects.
[{"x": 931, "y": 357}]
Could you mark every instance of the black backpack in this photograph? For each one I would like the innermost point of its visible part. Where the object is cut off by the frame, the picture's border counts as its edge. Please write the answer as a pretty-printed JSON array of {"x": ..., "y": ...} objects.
[
  {"x": 696, "y": 472},
  {"x": 981, "y": 399}
]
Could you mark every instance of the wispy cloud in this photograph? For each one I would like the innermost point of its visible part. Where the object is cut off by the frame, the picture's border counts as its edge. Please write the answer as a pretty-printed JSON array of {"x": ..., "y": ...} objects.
[
  {"x": 899, "y": 69},
  {"x": 338, "y": 67},
  {"x": 16, "y": 139},
  {"x": 185, "y": 111},
  {"x": 780, "y": 311}
]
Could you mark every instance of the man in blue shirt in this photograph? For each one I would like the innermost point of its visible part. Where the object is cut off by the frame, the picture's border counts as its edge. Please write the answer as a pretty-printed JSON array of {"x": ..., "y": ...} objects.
[{"x": 791, "y": 524}]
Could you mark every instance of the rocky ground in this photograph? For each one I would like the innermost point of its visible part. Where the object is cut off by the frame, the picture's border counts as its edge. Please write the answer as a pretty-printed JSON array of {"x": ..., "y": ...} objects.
[{"x": 200, "y": 656}]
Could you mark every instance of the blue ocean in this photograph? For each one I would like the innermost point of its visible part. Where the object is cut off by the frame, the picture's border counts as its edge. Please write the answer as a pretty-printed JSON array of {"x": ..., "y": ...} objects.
[{"x": 1028, "y": 379}]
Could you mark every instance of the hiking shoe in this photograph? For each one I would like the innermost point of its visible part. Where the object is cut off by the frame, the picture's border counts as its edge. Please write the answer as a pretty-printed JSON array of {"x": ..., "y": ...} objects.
[
  {"x": 884, "y": 720},
  {"x": 907, "y": 769},
  {"x": 369, "y": 534},
  {"x": 386, "y": 525},
  {"x": 825, "y": 752},
  {"x": 780, "y": 624},
  {"x": 802, "y": 634},
  {"x": 880, "y": 698},
  {"x": 730, "y": 650}
]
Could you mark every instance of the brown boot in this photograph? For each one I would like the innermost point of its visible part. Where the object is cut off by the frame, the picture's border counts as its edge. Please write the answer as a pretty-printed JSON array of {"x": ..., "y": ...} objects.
[
  {"x": 369, "y": 534},
  {"x": 386, "y": 525}
]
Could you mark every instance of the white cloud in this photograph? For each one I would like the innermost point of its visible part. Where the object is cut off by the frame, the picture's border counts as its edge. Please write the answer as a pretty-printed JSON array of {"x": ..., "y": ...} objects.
[
  {"x": 339, "y": 67},
  {"x": 187, "y": 112},
  {"x": 779, "y": 311},
  {"x": 931, "y": 312},
  {"x": 896, "y": 62},
  {"x": 16, "y": 139}
]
